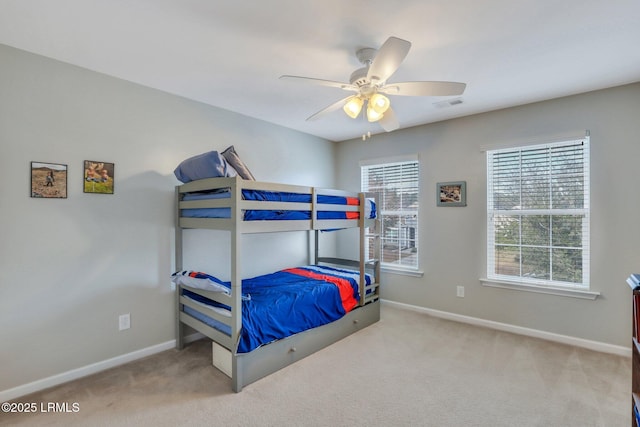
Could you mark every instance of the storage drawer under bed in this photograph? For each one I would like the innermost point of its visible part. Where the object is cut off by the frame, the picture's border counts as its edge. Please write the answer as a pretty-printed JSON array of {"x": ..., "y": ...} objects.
[{"x": 286, "y": 351}]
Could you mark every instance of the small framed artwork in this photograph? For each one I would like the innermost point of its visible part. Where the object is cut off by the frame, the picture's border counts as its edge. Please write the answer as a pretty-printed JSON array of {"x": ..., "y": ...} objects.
[
  {"x": 452, "y": 193},
  {"x": 98, "y": 177},
  {"x": 48, "y": 180}
]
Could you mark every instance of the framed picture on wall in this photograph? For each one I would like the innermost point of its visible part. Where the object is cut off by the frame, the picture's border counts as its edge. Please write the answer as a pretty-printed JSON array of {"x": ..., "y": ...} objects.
[
  {"x": 452, "y": 193},
  {"x": 98, "y": 177},
  {"x": 48, "y": 180}
]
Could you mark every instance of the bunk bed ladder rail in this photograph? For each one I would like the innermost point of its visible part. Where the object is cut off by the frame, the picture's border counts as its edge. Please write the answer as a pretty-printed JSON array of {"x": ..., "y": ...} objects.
[
  {"x": 178, "y": 267},
  {"x": 236, "y": 282},
  {"x": 373, "y": 262},
  {"x": 364, "y": 242}
]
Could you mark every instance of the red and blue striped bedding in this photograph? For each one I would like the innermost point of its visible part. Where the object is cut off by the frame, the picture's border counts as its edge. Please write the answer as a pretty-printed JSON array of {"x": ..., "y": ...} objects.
[
  {"x": 260, "y": 195},
  {"x": 287, "y": 302}
]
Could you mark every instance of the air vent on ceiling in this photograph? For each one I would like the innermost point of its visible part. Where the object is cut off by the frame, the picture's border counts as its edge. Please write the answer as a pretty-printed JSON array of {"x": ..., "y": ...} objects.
[{"x": 448, "y": 103}]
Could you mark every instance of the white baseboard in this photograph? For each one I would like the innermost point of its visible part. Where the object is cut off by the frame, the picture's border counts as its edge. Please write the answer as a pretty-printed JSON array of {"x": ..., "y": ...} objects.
[
  {"x": 549, "y": 336},
  {"x": 74, "y": 374}
]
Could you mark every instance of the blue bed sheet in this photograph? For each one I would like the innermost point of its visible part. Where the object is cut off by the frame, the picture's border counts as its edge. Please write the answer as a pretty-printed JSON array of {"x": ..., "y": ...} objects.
[{"x": 287, "y": 302}]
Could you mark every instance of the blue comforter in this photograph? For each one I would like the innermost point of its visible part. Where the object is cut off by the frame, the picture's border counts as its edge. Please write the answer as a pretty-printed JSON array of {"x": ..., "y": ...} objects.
[{"x": 287, "y": 302}]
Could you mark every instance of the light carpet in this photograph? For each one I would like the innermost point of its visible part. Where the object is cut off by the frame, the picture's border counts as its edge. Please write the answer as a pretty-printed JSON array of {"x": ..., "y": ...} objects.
[{"x": 409, "y": 369}]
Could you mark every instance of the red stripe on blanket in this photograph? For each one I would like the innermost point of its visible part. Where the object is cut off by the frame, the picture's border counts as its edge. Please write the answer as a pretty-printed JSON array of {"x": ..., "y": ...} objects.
[
  {"x": 344, "y": 286},
  {"x": 353, "y": 215},
  {"x": 353, "y": 201}
]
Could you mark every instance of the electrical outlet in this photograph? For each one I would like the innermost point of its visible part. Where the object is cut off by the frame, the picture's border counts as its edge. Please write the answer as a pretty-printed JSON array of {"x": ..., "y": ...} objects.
[
  {"x": 124, "y": 321},
  {"x": 460, "y": 291}
]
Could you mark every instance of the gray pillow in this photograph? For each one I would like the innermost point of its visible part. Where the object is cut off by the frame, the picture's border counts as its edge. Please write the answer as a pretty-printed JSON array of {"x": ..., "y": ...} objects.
[
  {"x": 206, "y": 165},
  {"x": 234, "y": 160}
]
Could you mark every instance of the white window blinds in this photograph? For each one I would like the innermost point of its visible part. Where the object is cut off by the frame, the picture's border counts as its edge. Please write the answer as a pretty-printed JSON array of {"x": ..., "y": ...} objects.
[
  {"x": 397, "y": 184},
  {"x": 538, "y": 214}
]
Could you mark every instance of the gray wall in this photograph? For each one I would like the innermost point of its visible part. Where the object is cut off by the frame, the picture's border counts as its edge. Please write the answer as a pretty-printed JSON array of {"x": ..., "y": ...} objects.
[
  {"x": 69, "y": 267},
  {"x": 453, "y": 240}
]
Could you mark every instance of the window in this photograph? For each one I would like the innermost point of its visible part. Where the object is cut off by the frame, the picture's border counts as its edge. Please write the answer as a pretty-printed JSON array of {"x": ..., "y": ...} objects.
[
  {"x": 538, "y": 214},
  {"x": 397, "y": 184}
]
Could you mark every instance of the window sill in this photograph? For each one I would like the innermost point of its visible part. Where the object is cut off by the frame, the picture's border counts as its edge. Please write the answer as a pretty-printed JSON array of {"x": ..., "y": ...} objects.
[
  {"x": 403, "y": 272},
  {"x": 565, "y": 292}
]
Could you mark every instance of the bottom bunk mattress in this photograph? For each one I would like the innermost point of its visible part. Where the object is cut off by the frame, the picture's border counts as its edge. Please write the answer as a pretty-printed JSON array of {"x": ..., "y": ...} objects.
[{"x": 280, "y": 304}]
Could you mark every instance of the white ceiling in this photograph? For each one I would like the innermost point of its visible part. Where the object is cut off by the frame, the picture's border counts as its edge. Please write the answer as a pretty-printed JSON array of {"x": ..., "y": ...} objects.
[{"x": 230, "y": 53}]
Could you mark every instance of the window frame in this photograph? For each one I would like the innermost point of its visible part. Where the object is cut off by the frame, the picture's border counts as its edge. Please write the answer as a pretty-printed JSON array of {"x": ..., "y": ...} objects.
[
  {"x": 560, "y": 287},
  {"x": 391, "y": 161}
]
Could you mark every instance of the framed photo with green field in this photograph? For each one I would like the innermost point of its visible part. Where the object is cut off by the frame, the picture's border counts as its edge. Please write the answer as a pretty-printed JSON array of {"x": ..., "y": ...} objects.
[
  {"x": 98, "y": 177},
  {"x": 48, "y": 180}
]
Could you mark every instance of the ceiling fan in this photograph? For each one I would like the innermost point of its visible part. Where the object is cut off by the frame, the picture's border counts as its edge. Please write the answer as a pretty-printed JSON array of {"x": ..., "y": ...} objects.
[{"x": 370, "y": 85}]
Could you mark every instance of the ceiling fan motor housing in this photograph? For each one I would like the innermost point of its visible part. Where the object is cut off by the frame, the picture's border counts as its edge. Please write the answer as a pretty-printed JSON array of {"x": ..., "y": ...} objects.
[{"x": 359, "y": 77}]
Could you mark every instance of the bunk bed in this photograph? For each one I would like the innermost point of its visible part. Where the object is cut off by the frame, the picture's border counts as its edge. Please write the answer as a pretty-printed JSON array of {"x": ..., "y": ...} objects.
[{"x": 220, "y": 310}]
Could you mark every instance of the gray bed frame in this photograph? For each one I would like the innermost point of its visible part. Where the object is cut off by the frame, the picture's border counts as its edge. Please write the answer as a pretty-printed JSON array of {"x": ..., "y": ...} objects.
[{"x": 249, "y": 367}]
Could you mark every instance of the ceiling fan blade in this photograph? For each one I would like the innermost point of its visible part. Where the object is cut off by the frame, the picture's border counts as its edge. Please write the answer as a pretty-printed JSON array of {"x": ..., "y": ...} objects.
[
  {"x": 320, "y": 82},
  {"x": 330, "y": 109},
  {"x": 424, "y": 88},
  {"x": 389, "y": 122},
  {"x": 388, "y": 59}
]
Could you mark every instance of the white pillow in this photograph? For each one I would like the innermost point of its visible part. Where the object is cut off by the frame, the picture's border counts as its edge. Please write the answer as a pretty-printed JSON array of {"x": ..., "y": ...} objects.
[{"x": 200, "y": 281}]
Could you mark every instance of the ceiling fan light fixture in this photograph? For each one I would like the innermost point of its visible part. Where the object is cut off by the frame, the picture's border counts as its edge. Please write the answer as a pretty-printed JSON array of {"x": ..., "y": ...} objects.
[
  {"x": 353, "y": 106},
  {"x": 372, "y": 114},
  {"x": 379, "y": 103}
]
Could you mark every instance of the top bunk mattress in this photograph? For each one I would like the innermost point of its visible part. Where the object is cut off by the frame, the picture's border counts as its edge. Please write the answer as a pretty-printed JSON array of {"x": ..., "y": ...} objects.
[{"x": 277, "y": 196}]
